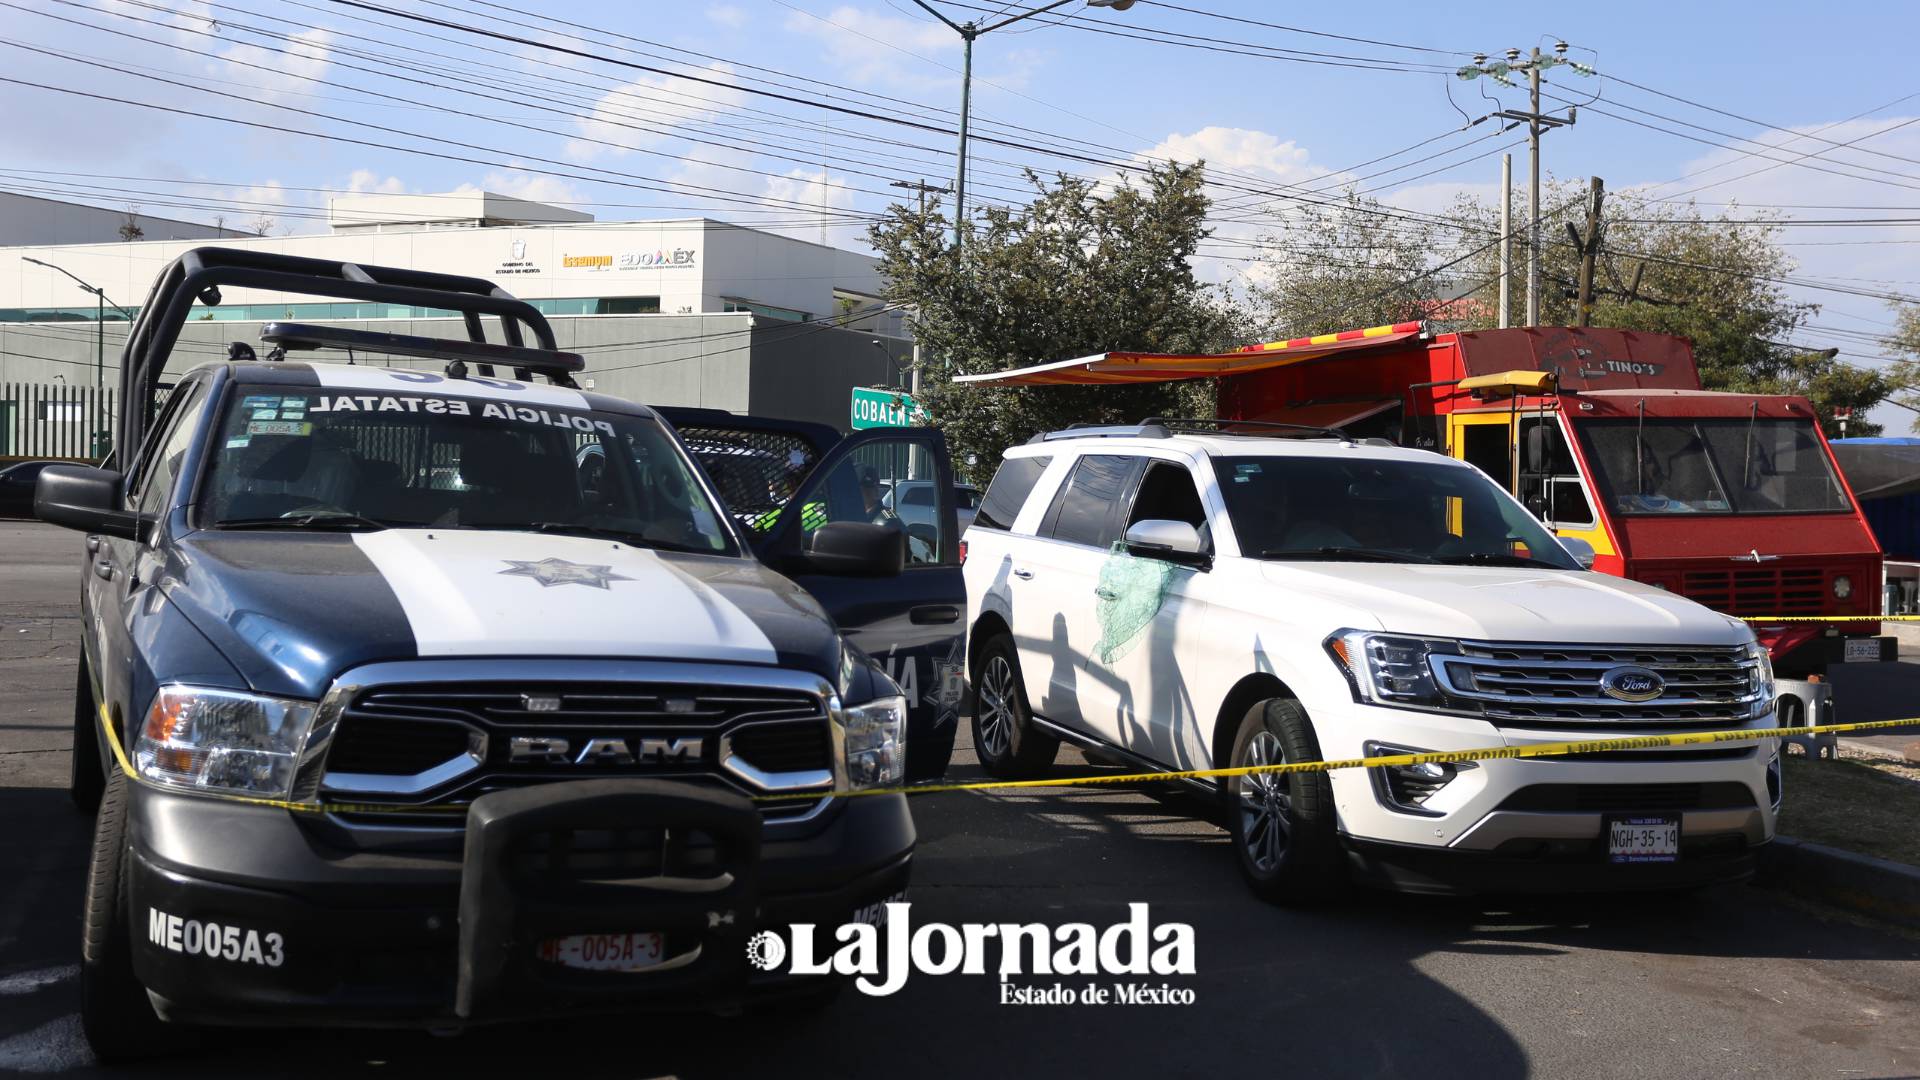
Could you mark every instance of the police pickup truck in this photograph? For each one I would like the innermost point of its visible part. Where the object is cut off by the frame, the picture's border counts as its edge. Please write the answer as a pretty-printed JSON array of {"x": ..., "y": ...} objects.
[{"x": 400, "y": 708}]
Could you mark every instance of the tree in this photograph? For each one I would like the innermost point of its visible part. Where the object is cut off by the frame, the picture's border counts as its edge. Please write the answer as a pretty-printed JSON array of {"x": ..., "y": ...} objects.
[
  {"x": 1083, "y": 268},
  {"x": 1668, "y": 268},
  {"x": 262, "y": 223},
  {"x": 1664, "y": 268},
  {"x": 1904, "y": 374},
  {"x": 130, "y": 229},
  {"x": 1346, "y": 265}
]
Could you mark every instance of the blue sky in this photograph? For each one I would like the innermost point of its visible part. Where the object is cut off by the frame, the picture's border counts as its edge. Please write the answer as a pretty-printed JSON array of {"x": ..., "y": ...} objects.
[{"x": 720, "y": 148}]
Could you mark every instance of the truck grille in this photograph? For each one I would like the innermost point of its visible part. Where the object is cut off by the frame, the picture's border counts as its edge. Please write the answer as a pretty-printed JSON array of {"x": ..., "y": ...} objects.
[
  {"x": 1557, "y": 687},
  {"x": 1761, "y": 590},
  {"x": 448, "y": 744}
]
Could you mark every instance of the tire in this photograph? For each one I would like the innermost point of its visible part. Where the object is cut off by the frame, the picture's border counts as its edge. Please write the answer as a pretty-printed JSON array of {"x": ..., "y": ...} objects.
[
  {"x": 86, "y": 780},
  {"x": 1004, "y": 738},
  {"x": 1285, "y": 833},
  {"x": 119, "y": 1021}
]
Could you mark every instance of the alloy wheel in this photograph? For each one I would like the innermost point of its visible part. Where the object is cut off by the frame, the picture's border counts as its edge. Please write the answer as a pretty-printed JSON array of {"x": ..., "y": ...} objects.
[
  {"x": 996, "y": 707},
  {"x": 1266, "y": 808}
]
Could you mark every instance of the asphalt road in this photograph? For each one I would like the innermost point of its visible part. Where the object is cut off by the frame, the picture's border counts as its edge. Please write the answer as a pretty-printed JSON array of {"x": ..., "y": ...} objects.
[{"x": 1732, "y": 981}]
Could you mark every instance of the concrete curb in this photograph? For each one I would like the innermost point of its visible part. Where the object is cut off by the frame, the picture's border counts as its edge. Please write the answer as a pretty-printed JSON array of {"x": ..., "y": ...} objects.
[{"x": 1862, "y": 883}]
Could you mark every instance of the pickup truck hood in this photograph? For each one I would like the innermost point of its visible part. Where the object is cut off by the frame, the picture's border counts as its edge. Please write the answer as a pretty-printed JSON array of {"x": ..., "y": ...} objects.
[
  {"x": 292, "y": 610},
  {"x": 1502, "y": 604}
]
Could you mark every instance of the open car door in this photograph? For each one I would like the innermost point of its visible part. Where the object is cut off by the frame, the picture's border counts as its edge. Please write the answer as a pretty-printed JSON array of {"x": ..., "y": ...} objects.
[{"x": 783, "y": 479}]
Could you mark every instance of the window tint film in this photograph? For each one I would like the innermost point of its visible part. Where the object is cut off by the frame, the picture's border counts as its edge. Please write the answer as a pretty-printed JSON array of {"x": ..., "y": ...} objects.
[
  {"x": 412, "y": 460},
  {"x": 165, "y": 467},
  {"x": 1712, "y": 466},
  {"x": 1084, "y": 511},
  {"x": 1378, "y": 510},
  {"x": 858, "y": 488},
  {"x": 1009, "y": 491}
]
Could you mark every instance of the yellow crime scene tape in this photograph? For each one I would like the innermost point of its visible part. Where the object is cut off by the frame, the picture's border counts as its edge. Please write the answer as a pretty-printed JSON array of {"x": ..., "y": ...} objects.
[{"x": 1488, "y": 753}]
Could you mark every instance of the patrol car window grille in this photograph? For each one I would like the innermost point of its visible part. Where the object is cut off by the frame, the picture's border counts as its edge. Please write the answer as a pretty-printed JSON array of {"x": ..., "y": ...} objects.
[{"x": 755, "y": 472}]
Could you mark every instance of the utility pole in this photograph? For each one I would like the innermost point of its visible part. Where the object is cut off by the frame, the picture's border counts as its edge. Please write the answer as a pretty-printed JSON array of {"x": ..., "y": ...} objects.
[
  {"x": 1589, "y": 248},
  {"x": 968, "y": 31},
  {"x": 1506, "y": 241},
  {"x": 923, "y": 189},
  {"x": 1537, "y": 123}
]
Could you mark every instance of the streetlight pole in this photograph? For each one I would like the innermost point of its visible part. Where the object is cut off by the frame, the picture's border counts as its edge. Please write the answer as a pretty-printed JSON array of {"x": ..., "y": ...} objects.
[
  {"x": 968, "y": 31},
  {"x": 100, "y": 303}
]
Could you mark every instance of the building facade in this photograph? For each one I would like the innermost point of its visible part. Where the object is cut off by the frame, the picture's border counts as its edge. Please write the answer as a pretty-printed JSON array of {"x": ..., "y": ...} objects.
[{"x": 680, "y": 312}]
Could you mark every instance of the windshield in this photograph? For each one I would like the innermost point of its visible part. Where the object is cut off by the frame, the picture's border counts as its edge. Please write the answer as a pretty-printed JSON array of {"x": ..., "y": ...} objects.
[
  {"x": 1719, "y": 466},
  {"x": 1382, "y": 510},
  {"x": 317, "y": 458}
]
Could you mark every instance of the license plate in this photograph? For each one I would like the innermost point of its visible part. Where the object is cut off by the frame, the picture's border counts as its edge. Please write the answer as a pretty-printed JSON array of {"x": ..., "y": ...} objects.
[
  {"x": 1643, "y": 839},
  {"x": 1862, "y": 650},
  {"x": 604, "y": 952}
]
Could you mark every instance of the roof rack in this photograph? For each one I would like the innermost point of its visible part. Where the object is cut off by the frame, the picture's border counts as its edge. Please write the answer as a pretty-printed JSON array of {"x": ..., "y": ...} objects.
[
  {"x": 1149, "y": 430},
  {"x": 1219, "y": 427},
  {"x": 556, "y": 366},
  {"x": 200, "y": 273}
]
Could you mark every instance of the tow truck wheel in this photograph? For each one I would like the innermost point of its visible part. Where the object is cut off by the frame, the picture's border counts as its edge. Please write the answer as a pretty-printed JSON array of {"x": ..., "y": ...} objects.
[
  {"x": 86, "y": 780},
  {"x": 1004, "y": 737},
  {"x": 114, "y": 1011},
  {"x": 1283, "y": 823}
]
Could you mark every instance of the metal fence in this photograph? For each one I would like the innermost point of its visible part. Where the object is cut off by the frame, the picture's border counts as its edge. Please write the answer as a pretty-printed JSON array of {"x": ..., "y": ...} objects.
[{"x": 54, "y": 420}]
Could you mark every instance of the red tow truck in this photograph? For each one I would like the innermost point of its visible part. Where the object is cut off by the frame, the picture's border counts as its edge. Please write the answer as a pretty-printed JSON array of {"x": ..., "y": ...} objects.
[{"x": 1733, "y": 500}]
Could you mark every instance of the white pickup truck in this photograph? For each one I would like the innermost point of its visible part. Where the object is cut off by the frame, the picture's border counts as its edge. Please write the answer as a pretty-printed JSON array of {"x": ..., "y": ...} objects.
[{"x": 1182, "y": 598}]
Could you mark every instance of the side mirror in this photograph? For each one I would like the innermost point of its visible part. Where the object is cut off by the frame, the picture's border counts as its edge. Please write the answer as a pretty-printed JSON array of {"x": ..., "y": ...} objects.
[
  {"x": 88, "y": 499},
  {"x": 1581, "y": 551},
  {"x": 1159, "y": 538},
  {"x": 857, "y": 549}
]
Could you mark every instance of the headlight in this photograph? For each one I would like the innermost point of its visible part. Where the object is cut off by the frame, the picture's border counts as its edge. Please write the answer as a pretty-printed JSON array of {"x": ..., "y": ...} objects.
[
  {"x": 1390, "y": 669},
  {"x": 876, "y": 742},
  {"x": 222, "y": 741},
  {"x": 1763, "y": 677},
  {"x": 1842, "y": 587}
]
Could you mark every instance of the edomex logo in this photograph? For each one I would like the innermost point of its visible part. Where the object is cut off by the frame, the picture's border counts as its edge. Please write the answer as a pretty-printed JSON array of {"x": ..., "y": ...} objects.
[{"x": 1135, "y": 947}]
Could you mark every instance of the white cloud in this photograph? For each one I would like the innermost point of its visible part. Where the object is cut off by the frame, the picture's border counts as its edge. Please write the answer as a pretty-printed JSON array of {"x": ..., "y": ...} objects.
[
  {"x": 899, "y": 52},
  {"x": 631, "y": 115},
  {"x": 1258, "y": 159},
  {"x": 369, "y": 181}
]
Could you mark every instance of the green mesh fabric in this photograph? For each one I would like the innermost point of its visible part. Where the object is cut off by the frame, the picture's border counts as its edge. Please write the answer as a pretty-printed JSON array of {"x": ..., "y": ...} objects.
[{"x": 1129, "y": 595}]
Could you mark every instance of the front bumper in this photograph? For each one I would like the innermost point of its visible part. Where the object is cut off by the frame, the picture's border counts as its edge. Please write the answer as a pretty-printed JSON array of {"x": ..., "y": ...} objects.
[
  {"x": 445, "y": 939},
  {"x": 1537, "y": 824}
]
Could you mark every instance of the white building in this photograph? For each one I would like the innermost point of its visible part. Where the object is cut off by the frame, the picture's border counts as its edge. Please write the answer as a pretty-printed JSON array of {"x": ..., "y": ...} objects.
[{"x": 679, "y": 312}]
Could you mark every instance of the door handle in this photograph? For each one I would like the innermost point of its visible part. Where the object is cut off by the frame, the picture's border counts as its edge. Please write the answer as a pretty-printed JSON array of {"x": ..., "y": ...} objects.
[
  {"x": 1023, "y": 575},
  {"x": 93, "y": 543},
  {"x": 103, "y": 569},
  {"x": 928, "y": 614}
]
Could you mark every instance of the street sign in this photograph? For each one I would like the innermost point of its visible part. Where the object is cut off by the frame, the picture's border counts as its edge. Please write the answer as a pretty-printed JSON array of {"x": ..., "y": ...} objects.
[{"x": 874, "y": 408}]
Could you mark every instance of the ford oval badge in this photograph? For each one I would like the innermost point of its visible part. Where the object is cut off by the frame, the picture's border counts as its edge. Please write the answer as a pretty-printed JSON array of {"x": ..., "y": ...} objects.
[{"x": 1631, "y": 684}]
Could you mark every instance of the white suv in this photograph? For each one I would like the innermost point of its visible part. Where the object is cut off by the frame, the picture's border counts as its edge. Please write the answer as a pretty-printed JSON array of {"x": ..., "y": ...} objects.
[{"x": 1181, "y": 598}]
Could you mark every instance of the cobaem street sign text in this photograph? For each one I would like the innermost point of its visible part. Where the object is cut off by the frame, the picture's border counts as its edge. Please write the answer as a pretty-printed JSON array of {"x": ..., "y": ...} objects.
[{"x": 874, "y": 408}]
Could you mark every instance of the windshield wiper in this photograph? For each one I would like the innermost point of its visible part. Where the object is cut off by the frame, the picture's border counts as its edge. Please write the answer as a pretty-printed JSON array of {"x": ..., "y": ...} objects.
[
  {"x": 1344, "y": 554},
  {"x": 1498, "y": 558},
  {"x": 317, "y": 520}
]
